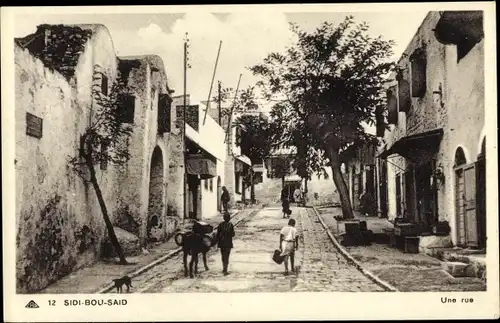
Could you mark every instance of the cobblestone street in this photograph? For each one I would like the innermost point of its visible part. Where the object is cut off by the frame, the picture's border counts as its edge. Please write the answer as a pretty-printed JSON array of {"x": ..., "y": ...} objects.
[{"x": 320, "y": 266}]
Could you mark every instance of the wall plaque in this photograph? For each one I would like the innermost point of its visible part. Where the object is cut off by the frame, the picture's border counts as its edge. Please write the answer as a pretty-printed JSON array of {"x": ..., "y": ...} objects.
[{"x": 34, "y": 125}]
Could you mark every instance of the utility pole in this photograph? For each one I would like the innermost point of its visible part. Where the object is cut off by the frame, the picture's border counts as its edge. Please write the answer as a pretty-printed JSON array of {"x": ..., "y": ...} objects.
[
  {"x": 186, "y": 66},
  {"x": 219, "y": 104}
]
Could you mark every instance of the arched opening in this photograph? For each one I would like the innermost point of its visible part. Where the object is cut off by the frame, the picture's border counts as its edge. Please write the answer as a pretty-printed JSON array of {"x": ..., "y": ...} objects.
[
  {"x": 466, "y": 206},
  {"x": 156, "y": 193},
  {"x": 460, "y": 157},
  {"x": 481, "y": 195},
  {"x": 219, "y": 193}
]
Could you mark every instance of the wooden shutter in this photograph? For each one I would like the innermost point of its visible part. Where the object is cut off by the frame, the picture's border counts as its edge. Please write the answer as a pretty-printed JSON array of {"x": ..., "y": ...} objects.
[
  {"x": 418, "y": 75},
  {"x": 392, "y": 106},
  {"x": 164, "y": 121}
]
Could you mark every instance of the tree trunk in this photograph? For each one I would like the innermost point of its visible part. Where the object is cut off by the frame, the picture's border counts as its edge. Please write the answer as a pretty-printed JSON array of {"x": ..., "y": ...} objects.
[
  {"x": 109, "y": 225},
  {"x": 338, "y": 179},
  {"x": 331, "y": 145},
  {"x": 282, "y": 182},
  {"x": 252, "y": 188}
]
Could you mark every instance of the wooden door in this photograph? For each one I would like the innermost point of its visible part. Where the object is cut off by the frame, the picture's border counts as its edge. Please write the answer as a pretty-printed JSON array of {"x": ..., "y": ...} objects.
[
  {"x": 469, "y": 200},
  {"x": 459, "y": 206}
]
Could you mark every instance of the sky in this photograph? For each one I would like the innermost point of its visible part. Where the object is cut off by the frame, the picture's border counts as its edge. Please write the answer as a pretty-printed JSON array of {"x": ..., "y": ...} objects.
[{"x": 247, "y": 37}]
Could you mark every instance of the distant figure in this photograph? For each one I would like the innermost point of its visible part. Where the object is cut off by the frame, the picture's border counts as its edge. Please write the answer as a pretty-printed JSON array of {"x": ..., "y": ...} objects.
[
  {"x": 225, "y": 199},
  {"x": 285, "y": 203},
  {"x": 297, "y": 195},
  {"x": 363, "y": 203},
  {"x": 225, "y": 234},
  {"x": 289, "y": 242}
]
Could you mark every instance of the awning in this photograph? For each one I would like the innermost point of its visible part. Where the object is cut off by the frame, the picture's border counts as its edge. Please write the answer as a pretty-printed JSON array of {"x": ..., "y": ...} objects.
[
  {"x": 197, "y": 164},
  {"x": 244, "y": 159},
  {"x": 417, "y": 148}
]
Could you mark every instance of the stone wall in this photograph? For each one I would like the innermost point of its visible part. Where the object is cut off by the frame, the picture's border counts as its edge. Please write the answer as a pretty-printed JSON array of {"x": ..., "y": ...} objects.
[
  {"x": 59, "y": 222},
  {"x": 454, "y": 98}
]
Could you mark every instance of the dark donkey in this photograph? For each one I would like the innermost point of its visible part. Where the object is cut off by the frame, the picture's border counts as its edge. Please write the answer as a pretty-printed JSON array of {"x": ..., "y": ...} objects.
[{"x": 193, "y": 243}]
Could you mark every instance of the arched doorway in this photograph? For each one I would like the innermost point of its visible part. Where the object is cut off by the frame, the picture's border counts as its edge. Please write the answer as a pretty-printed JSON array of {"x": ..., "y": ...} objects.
[
  {"x": 156, "y": 193},
  {"x": 465, "y": 200},
  {"x": 219, "y": 192},
  {"x": 481, "y": 195}
]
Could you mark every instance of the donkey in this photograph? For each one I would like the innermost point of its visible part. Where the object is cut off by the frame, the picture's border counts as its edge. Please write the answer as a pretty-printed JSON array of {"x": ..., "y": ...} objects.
[{"x": 193, "y": 245}]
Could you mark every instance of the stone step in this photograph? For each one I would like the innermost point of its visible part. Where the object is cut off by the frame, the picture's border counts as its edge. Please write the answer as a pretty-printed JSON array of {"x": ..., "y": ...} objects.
[{"x": 455, "y": 268}]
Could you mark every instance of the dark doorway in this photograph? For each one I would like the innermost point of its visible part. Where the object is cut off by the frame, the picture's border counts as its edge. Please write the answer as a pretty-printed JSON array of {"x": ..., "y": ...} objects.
[
  {"x": 193, "y": 196},
  {"x": 383, "y": 188},
  {"x": 156, "y": 196},
  {"x": 425, "y": 195},
  {"x": 219, "y": 193}
]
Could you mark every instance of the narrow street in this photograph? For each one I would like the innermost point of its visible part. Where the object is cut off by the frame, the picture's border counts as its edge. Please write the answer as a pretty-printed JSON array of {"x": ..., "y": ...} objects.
[{"x": 320, "y": 266}]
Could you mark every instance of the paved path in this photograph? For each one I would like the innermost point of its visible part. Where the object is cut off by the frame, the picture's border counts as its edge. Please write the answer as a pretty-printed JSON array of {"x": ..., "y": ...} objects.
[
  {"x": 320, "y": 266},
  {"x": 324, "y": 269}
]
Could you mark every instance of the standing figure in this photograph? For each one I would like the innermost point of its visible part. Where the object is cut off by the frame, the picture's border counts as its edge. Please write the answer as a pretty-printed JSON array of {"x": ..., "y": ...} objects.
[
  {"x": 225, "y": 199},
  {"x": 289, "y": 242},
  {"x": 225, "y": 234},
  {"x": 285, "y": 203},
  {"x": 297, "y": 196}
]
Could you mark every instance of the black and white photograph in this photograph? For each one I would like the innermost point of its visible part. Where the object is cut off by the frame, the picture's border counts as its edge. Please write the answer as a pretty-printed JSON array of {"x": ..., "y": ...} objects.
[{"x": 224, "y": 151}]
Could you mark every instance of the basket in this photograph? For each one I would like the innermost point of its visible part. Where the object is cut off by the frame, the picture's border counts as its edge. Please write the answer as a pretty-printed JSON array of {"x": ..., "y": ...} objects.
[{"x": 277, "y": 258}]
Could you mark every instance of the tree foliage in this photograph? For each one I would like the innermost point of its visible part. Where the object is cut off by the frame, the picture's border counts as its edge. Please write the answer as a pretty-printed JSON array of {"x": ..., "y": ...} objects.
[
  {"x": 327, "y": 87},
  {"x": 255, "y": 136},
  {"x": 335, "y": 76}
]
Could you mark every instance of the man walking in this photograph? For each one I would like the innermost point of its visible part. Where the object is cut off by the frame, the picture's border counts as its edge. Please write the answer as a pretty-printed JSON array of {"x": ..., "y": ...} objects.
[
  {"x": 289, "y": 242},
  {"x": 225, "y": 234},
  {"x": 225, "y": 199}
]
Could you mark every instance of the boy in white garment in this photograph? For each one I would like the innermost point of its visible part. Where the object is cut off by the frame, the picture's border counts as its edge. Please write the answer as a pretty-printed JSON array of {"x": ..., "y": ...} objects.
[{"x": 289, "y": 242}]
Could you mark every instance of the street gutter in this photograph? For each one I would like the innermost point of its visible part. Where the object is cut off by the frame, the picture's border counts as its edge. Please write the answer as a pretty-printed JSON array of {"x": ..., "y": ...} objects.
[
  {"x": 350, "y": 259},
  {"x": 166, "y": 257}
]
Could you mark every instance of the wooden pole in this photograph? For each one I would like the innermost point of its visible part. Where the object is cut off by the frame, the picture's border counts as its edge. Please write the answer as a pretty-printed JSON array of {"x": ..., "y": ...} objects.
[
  {"x": 186, "y": 213},
  {"x": 212, "y": 83},
  {"x": 231, "y": 112},
  {"x": 219, "y": 105}
]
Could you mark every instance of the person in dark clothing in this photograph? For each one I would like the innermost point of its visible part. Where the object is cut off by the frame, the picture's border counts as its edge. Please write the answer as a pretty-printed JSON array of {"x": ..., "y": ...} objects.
[
  {"x": 225, "y": 199},
  {"x": 285, "y": 203},
  {"x": 225, "y": 234}
]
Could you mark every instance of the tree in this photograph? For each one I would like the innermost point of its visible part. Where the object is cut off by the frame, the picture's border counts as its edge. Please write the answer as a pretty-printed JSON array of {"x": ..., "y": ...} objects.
[
  {"x": 105, "y": 141},
  {"x": 327, "y": 86},
  {"x": 254, "y": 142}
]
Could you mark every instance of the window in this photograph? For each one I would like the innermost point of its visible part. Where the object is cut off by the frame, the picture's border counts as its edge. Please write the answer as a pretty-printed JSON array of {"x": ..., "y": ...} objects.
[
  {"x": 206, "y": 184},
  {"x": 34, "y": 125},
  {"x": 418, "y": 74},
  {"x": 164, "y": 102},
  {"x": 211, "y": 185},
  {"x": 404, "y": 96},
  {"x": 104, "y": 84},
  {"x": 126, "y": 114}
]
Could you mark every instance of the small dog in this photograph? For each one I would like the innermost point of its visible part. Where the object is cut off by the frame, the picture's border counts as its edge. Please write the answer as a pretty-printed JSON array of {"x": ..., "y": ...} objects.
[{"x": 125, "y": 280}]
